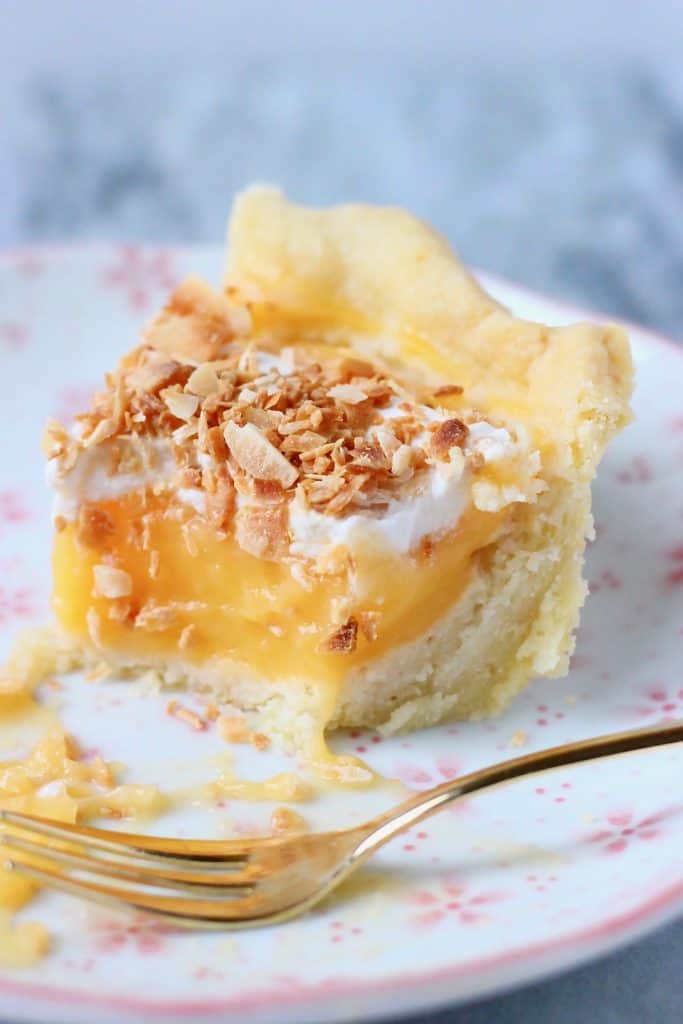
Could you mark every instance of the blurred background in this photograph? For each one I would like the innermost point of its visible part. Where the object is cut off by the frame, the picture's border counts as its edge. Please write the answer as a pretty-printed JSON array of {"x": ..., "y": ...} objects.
[{"x": 544, "y": 138}]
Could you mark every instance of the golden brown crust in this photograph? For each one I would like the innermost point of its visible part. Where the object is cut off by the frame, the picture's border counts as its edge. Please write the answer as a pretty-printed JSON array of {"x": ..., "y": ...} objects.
[{"x": 385, "y": 272}]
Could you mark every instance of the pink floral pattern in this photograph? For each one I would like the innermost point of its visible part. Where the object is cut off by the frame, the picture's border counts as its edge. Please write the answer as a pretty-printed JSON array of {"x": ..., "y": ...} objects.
[
  {"x": 454, "y": 901},
  {"x": 623, "y": 829},
  {"x": 71, "y": 401},
  {"x": 662, "y": 704},
  {"x": 638, "y": 471},
  {"x": 13, "y": 507},
  {"x": 674, "y": 576},
  {"x": 142, "y": 934},
  {"x": 16, "y": 603},
  {"x": 141, "y": 274},
  {"x": 607, "y": 579},
  {"x": 445, "y": 768},
  {"x": 13, "y": 335}
]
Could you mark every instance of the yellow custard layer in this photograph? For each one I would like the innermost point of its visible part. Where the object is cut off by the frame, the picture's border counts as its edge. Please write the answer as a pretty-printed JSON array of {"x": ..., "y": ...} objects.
[{"x": 251, "y": 610}]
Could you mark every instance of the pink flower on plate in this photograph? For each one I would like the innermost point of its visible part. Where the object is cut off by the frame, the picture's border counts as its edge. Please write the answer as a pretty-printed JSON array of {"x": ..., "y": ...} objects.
[
  {"x": 452, "y": 900},
  {"x": 607, "y": 580},
  {"x": 675, "y": 558},
  {"x": 143, "y": 934},
  {"x": 417, "y": 777},
  {"x": 622, "y": 830},
  {"x": 16, "y": 603},
  {"x": 13, "y": 508},
  {"x": 664, "y": 705},
  {"x": 29, "y": 263},
  {"x": 13, "y": 335},
  {"x": 140, "y": 272},
  {"x": 638, "y": 471},
  {"x": 70, "y": 402}
]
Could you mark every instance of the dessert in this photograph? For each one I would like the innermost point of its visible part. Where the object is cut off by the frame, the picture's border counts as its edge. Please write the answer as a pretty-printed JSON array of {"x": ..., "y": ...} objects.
[{"x": 347, "y": 488}]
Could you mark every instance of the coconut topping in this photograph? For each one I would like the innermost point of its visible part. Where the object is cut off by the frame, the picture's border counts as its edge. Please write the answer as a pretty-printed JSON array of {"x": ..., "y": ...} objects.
[{"x": 260, "y": 440}]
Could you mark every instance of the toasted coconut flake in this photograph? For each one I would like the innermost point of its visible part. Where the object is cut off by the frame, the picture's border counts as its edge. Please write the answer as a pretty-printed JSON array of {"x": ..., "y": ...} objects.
[
  {"x": 284, "y": 821},
  {"x": 211, "y": 711},
  {"x": 349, "y": 394},
  {"x": 262, "y": 530},
  {"x": 448, "y": 389},
  {"x": 449, "y": 434},
  {"x": 179, "y": 711},
  {"x": 187, "y": 637},
  {"x": 110, "y": 582},
  {"x": 55, "y": 439},
  {"x": 182, "y": 434},
  {"x": 347, "y": 769},
  {"x": 255, "y": 454},
  {"x": 154, "y": 618},
  {"x": 120, "y": 611},
  {"x": 303, "y": 442},
  {"x": 105, "y": 429},
  {"x": 455, "y": 466},
  {"x": 154, "y": 564},
  {"x": 203, "y": 381},
  {"x": 93, "y": 625},
  {"x": 344, "y": 639},
  {"x": 197, "y": 323},
  {"x": 99, "y": 671},
  {"x": 259, "y": 741},
  {"x": 188, "y": 531},
  {"x": 181, "y": 404},
  {"x": 234, "y": 728},
  {"x": 220, "y": 502},
  {"x": 351, "y": 366},
  {"x": 369, "y": 454},
  {"x": 401, "y": 460},
  {"x": 388, "y": 441},
  {"x": 368, "y": 623},
  {"x": 248, "y": 396},
  {"x": 155, "y": 371}
]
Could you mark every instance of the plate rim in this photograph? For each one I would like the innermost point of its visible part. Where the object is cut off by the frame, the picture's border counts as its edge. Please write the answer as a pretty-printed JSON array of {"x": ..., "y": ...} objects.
[{"x": 430, "y": 989}]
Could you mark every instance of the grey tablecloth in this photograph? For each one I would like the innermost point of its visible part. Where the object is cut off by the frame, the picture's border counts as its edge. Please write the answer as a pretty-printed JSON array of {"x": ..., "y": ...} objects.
[
  {"x": 566, "y": 179},
  {"x": 642, "y": 984}
]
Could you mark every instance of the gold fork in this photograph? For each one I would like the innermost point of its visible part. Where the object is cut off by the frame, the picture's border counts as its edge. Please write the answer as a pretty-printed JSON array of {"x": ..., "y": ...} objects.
[{"x": 214, "y": 884}]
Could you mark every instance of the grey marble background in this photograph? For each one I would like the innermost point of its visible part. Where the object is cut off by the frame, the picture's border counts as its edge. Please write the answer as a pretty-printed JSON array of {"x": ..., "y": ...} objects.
[{"x": 566, "y": 178}]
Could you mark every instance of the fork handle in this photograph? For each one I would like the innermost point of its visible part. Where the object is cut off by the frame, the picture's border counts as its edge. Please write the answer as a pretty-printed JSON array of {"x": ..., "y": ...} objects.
[{"x": 421, "y": 806}]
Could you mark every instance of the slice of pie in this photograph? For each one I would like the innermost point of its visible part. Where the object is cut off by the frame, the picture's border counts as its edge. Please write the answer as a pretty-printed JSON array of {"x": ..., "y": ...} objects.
[{"x": 348, "y": 487}]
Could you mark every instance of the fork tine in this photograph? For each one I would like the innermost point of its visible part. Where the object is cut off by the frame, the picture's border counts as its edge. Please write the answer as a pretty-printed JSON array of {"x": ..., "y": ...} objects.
[
  {"x": 188, "y": 913},
  {"x": 223, "y": 853},
  {"x": 182, "y": 879}
]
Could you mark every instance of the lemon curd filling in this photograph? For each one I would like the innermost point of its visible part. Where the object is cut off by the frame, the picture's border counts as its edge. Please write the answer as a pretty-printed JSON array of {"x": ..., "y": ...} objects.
[{"x": 215, "y": 600}]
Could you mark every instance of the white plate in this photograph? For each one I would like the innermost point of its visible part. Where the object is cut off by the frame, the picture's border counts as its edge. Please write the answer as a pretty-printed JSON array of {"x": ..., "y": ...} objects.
[{"x": 508, "y": 888}]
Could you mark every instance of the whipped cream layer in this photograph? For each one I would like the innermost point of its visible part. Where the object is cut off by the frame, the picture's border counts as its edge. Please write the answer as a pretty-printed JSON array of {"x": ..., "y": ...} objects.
[
  {"x": 429, "y": 505},
  {"x": 438, "y": 498},
  {"x": 434, "y": 508}
]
